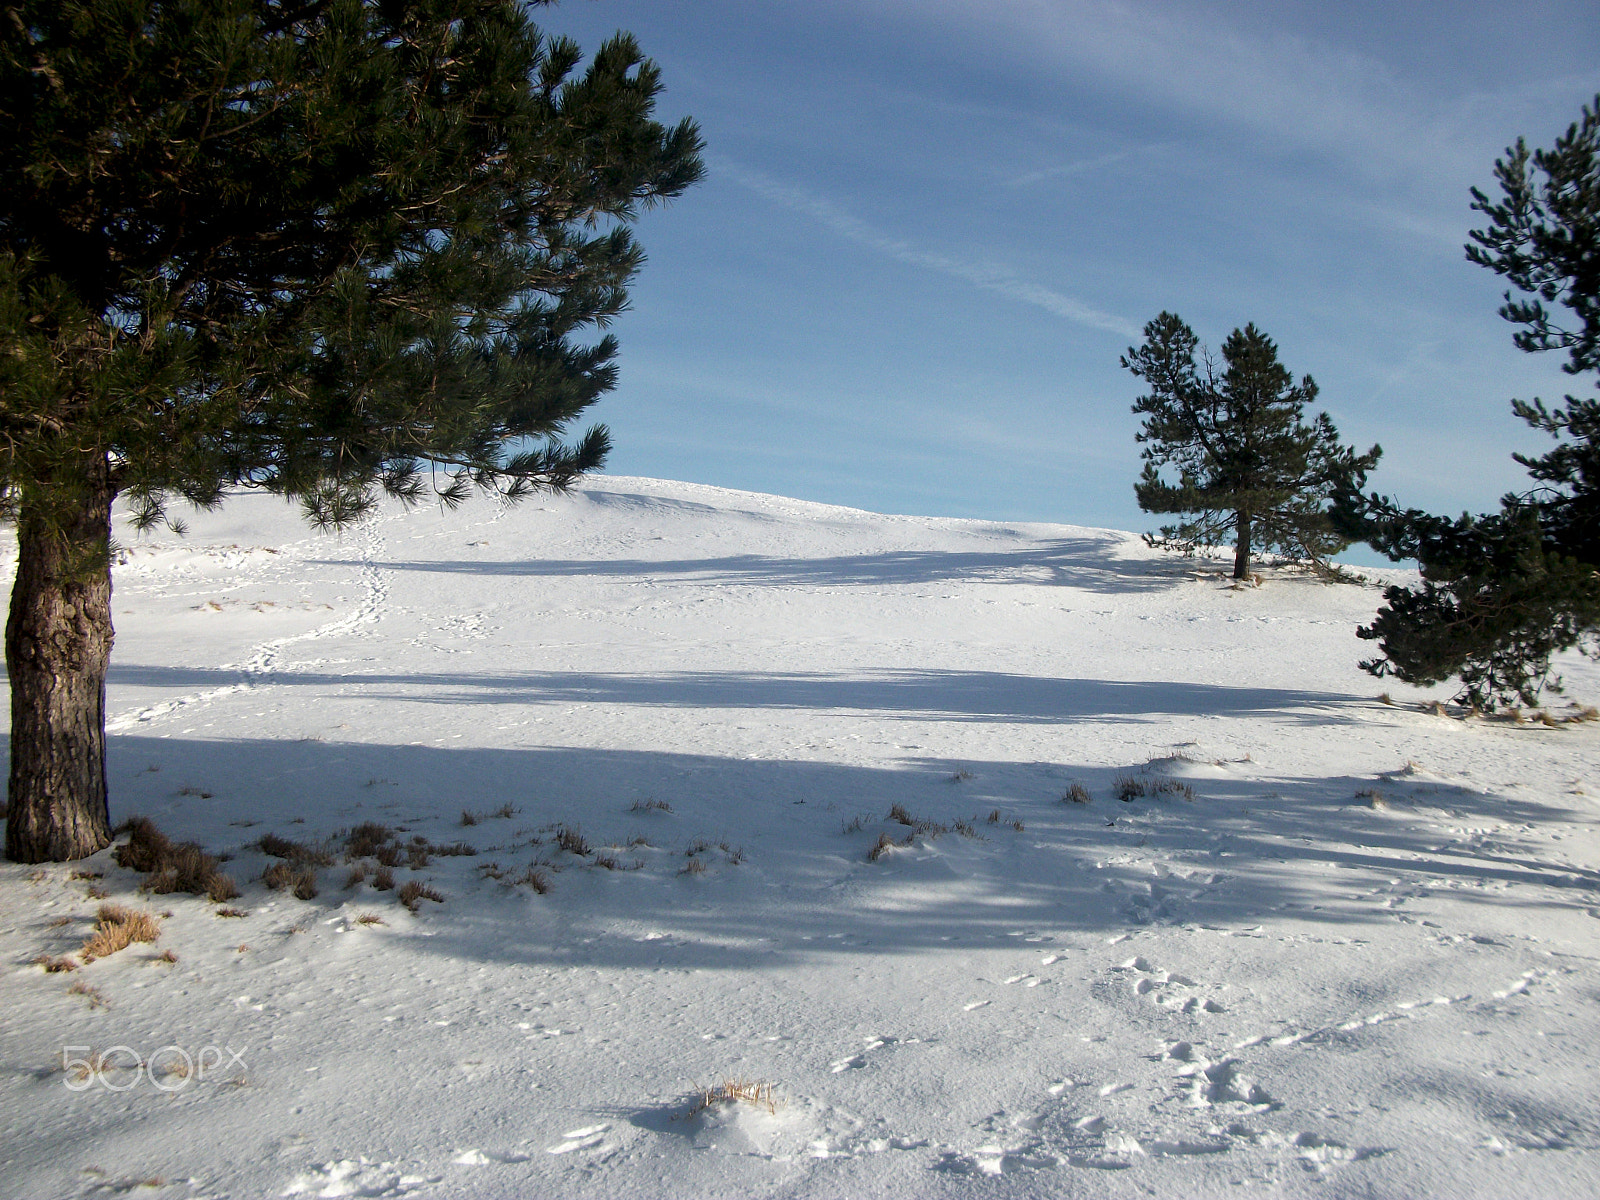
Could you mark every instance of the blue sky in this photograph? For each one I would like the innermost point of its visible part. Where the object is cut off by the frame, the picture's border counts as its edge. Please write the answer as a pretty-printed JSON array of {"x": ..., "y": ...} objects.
[{"x": 930, "y": 228}]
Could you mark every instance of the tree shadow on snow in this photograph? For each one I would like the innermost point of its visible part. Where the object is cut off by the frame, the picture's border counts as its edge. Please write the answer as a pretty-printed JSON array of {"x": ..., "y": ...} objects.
[
  {"x": 1243, "y": 852},
  {"x": 918, "y": 695},
  {"x": 1084, "y": 563}
]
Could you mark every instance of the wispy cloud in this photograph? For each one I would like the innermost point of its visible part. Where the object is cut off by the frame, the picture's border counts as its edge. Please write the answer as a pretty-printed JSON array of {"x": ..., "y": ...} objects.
[
  {"x": 1082, "y": 166},
  {"x": 991, "y": 277},
  {"x": 1290, "y": 89}
]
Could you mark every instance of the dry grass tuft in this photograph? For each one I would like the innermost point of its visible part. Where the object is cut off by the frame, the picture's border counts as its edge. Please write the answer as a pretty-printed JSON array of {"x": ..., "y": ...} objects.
[
  {"x": 232, "y": 912},
  {"x": 413, "y": 893},
  {"x": 649, "y": 806},
  {"x": 117, "y": 928},
  {"x": 93, "y": 995},
  {"x": 171, "y": 867},
  {"x": 370, "y": 919},
  {"x": 506, "y": 811},
  {"x": 456, "y": 850},
  {"x": 961, "y": 776},
  {"x": 570, "y": 838},
  {"x": 57, "y": 964},
  {"x": 299, "y": 880},
  {"x": 1131, "y": 787},
  {"x": 166, "y": 956},
  {"x": 295, "y": 852},
  {"x": 885, "y": 843},
  {"x": 417, "y": 854},
  {"x": 389, "y": 856},
  {"x": 383, "y": 879},
  {"x": 1076, "y": 794},
  {"x": 365, "y": 840},
  {"x": 736, "y": 1091},
  {"x": 468, "y": 817},
  {"x": 357, "y": 876},
  {"x": 536, "y": 879},
  {"x": 693, "y": 867}
]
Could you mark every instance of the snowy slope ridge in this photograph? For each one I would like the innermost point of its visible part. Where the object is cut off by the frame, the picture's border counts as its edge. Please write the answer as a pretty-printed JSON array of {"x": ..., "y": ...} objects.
[{"x": 1329, "y": 947}]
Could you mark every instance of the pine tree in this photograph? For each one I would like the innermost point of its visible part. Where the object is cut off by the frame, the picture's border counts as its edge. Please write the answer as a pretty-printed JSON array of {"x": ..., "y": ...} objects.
[
  {"x": 1248, "y": 463},
  {"x": 317, "y": 247},
  {"x": 1503, "y": 592}
]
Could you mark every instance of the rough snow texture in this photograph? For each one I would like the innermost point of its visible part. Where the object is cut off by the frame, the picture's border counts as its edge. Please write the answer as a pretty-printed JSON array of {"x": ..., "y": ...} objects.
[{"x": 1356, "y": 957}]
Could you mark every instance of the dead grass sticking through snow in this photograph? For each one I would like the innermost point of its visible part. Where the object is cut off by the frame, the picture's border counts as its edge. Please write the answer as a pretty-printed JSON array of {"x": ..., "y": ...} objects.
[
  {"x": 755, "y": 1092},
  {"x": 117, "y": 928}
]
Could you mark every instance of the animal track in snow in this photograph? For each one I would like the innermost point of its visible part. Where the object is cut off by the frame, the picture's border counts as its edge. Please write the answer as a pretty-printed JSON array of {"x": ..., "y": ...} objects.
[
  {"x": 264, "y": 660},
  {"x": 1404, "y": 1011},
  {"x": 590, "y": 1137},
  {"x": 357, "y": 1177},
  {"x": 1169, "y": 989},
  {"x": 858, "y": 1060}
]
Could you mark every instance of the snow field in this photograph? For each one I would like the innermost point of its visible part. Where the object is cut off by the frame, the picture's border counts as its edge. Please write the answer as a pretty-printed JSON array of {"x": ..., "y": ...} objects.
[{"x": 1336, "y": 948}]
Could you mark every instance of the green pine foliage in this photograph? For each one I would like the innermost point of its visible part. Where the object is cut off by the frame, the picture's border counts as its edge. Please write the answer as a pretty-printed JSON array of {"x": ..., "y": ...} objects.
[
  {"x": 320, "y": 248},
  {"x": 1503, "y": 592},
  {"x": 1249, "y": 465}
]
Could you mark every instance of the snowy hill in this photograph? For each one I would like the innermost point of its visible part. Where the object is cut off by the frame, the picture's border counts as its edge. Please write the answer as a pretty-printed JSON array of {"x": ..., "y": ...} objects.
[{"x": 1334, "y": 947}]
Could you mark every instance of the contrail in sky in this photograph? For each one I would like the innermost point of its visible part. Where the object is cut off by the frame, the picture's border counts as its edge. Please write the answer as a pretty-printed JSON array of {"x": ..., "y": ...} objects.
[{"x": 989, "y": 276}]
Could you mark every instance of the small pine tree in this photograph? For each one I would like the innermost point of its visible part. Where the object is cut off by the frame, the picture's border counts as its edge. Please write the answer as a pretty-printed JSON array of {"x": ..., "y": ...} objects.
[
  {"x": 1248, "y": 463},
  {"x": 1503, "y": 592}
]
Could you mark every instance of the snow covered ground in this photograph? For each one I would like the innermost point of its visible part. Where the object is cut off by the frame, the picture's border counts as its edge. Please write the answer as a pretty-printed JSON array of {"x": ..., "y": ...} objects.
[{"x": 1337, "y": 948}]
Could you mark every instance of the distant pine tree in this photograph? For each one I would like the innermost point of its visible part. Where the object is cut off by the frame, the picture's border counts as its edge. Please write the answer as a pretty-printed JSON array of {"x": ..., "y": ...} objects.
[
  {"x": 1249, "y": 466},
  {"x": 1503, "y": 592},
  {"x": 320, "y": 249}
]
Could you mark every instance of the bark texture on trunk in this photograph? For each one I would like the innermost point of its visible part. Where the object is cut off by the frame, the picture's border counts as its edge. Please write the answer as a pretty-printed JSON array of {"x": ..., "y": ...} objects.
[
  {"x": 58, "y": 646},
  {"x": 1241, "y": 550}
]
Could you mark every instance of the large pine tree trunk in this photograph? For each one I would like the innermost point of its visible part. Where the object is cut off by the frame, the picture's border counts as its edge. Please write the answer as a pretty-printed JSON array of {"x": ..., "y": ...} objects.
[
  {"x": 58, "y": 646},
  {"x": 1241, "y": 550}
]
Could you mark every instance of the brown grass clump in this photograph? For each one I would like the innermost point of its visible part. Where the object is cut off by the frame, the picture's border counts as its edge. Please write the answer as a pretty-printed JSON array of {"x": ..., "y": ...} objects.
[
  {"x": 93, "y": 995},
  {"x": 885, "y": 843},
  {"x": 117, "y": 928},
  {"x": 456, "y": 850},
  {"x": 417, "y": 854},
  {"x": 56, "y": 965},
  {"x": 570, "y": 838},
  {"x": 171, "y": 867},
  {"x": 1131, "y": 787},
  {"x": 383, "y": 879},
  {"x": 693, "y": 867},
  {"x": 286, "y": 876},
  {"x": 370, "y": 919},
  {"x": 1077, "y": 794},
  {"x": 232, "y": 912},
  {"x": 412, "y": 893},
  {"x": 366, "y": 840},
  {"x": 468, "y": 817},
  {"x": 295, "y": 852},
  {"x": 356, "y": 877},
  {"x": 649, "y": 806},
  {"x": 166, "y": 956},
  {"x": 389, "y": 856},
  {"x": 536, "y": 879}
]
